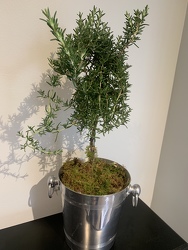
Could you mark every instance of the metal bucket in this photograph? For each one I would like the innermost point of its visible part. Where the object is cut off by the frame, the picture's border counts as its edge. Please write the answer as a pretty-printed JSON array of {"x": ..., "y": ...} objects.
[{"x": 90, "y": 222}]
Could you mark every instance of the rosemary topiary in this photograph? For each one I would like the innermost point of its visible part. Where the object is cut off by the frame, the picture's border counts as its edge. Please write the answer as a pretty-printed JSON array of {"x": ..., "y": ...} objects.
[{"x": 96, "y": 63}]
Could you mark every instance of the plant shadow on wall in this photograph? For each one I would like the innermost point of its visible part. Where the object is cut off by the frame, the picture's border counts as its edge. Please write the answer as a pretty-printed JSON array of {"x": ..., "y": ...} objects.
[
  {"x": 12, "y": 164},
  {"x": 68, "y": 140},
  {"x": 13, "y": 158}
]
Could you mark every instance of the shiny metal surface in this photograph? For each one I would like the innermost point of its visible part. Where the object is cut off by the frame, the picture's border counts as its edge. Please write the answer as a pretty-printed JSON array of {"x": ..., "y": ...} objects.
[
  {"x": 90, "y": 222},
  {"x": 53, "y": 185},
  {"x": 135, "y": 190}
]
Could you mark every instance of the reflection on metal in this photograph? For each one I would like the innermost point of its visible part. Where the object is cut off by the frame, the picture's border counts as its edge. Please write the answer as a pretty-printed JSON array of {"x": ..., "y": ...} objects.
[
  {"x": 90, "y": 222},
  {"x": 53, "y": 185},
  {"x": 135, "y": 190}
]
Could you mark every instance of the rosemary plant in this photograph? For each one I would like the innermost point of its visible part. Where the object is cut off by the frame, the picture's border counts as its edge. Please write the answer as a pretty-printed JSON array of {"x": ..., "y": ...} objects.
[{"x": 96, "y": 63}]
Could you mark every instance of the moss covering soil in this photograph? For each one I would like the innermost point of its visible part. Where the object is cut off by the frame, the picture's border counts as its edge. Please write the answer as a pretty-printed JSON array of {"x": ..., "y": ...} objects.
[{"x": 94, "y": 178}]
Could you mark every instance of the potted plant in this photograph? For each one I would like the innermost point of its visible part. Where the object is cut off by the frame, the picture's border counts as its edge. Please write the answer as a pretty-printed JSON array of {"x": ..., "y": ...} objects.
[{"x": 96, "y": 64}]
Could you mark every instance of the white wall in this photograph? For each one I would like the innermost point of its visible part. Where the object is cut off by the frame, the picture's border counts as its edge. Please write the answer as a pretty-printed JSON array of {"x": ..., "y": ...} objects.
[
  {"x": 24, "y": 48},
  {"x": 170, "y": 198}
]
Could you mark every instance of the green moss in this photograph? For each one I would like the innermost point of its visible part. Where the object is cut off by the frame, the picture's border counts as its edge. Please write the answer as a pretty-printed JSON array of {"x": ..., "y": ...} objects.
[{"x": 97, "y": 178}]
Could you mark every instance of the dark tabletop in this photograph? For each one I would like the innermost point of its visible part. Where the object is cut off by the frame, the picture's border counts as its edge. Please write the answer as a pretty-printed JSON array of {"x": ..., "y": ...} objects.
[{"x": 139, "y": 229}]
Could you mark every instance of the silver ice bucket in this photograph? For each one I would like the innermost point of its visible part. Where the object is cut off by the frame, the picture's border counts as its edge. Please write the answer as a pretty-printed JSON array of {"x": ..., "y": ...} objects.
[{"x": 90, "y": 222}]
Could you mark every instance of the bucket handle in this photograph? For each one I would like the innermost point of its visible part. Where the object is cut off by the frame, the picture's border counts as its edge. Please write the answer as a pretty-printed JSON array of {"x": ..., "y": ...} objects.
[
  {"x": 53, "y": 185},
  {"x": 135, "y": 190}
]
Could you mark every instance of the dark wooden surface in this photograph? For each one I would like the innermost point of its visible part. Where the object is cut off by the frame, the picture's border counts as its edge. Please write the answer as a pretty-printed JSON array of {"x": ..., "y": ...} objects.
[{"x": 139, "y": 229}]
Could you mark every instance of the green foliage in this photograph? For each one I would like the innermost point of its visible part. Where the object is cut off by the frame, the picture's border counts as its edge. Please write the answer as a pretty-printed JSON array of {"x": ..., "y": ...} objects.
[{"x": 96, "y": 63}]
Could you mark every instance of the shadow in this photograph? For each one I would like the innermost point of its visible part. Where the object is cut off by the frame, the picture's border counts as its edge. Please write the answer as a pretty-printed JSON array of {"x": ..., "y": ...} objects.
[
  {"x": 11, "y": 163},
  {"x": 69, "y": 140},
  {"x": 39, "y": 201}
]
